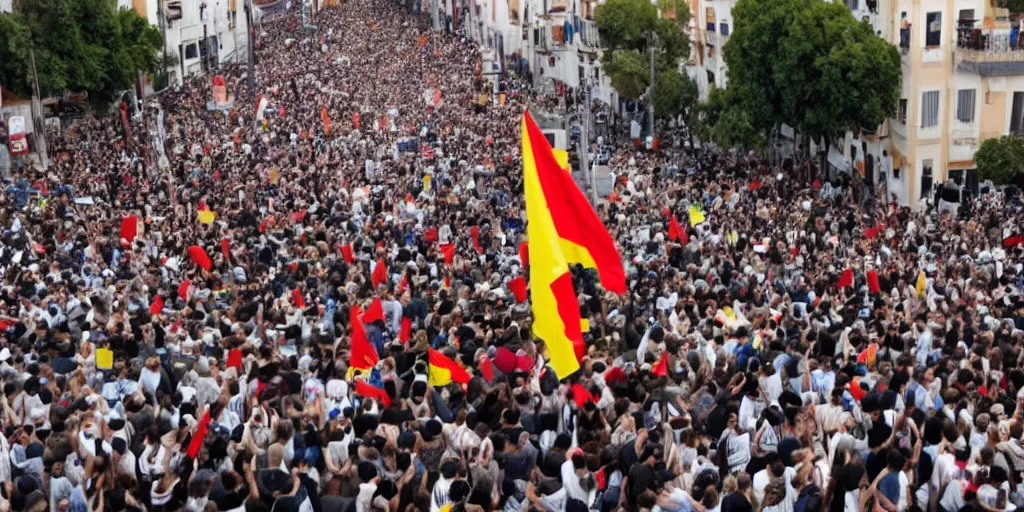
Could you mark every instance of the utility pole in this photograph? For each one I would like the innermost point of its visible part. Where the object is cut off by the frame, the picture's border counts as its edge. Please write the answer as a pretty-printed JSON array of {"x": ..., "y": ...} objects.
[
  {"x": 252, "y": 56},
  {"x": 650, "y": 90},
  {"x": 587, "y": 171},
  {"x": 37, "y": 115}
]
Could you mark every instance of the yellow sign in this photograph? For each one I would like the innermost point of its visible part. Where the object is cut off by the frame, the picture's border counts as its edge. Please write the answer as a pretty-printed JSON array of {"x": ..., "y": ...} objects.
[{"x": 104, "y": 359}]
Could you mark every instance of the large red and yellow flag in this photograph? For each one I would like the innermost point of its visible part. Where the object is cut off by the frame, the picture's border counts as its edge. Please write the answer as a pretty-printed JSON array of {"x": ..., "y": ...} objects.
[{"x": 563, "y": 230}]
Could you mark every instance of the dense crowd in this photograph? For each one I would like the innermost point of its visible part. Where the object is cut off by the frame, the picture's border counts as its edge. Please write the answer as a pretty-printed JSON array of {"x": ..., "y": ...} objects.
[{"x": 792, "y": 352}]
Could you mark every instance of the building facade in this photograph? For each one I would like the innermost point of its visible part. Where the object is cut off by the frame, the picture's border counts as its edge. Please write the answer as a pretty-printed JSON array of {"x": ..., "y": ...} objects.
[
  {"x": 963, "y": 82},
  {"x": 202, "y": 34}
]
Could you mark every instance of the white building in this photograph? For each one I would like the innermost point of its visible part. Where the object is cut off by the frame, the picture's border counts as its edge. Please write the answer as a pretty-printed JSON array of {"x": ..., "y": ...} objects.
[
  {"x": 557, "y": 40},
  {"x": 203, "y": 34}
]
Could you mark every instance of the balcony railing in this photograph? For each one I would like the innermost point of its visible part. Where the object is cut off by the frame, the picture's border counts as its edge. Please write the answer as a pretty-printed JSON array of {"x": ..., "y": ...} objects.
[
  {"x": 981, "y": 45},
  {"x": 964, "y": 133},
  {"x": 589, "y": 36}
]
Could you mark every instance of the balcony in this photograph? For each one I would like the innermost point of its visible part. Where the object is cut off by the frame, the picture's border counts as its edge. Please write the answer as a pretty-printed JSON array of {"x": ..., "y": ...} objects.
[
  {"x": 588, "y": 35},
  {"x": 987, "y": 52},
  {"x": 964, "y": 139}
]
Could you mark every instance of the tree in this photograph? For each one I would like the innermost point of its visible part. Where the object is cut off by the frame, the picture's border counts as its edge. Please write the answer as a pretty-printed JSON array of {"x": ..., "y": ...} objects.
[
  {"x": 625, "y": 24},
  {"x": 674, "y": 94},
  {"x": 1001, "y": 160},
  {"x": 810, "y": 64},
  {"x": 78, "y": 44},
  {"x": 629, "y": 74}
]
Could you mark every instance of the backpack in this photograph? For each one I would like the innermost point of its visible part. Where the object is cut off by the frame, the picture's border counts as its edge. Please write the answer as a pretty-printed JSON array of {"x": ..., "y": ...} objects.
[{"x": 809, "y": 499}]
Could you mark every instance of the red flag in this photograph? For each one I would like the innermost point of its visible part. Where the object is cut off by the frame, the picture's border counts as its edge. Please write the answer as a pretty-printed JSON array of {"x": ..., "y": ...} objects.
[
  {"x": 202, "y": 206},
  {"x": 816, "y": 185},
  {"x": 405, "y": 335},
  {"x": 1012, "y": 241},
  {"x": 374, "y": 312},
  {"x": 403, "y": 284},
  {"x": 474, "y": 233},
  {"x": 449, "y": 253},
  {"x": 364, "y": 355},
  {"x": 518, "y": 288},
  {"x": 346, "y": 252},
  {"x": 156, "y": 306},
  {"x": 675, "y": 231},
  {"x": 581, "y": 395},
  {"x": 299, "y": 216},
  {"x": 845, "y": 279},
  {"x": 871, "y": 232},
  {"x": 524, "y": 253},
  {"x": 430, "y": 235},
  {"x": 355, "y": 120},
  {"x": 437, "y": 359},
  {"x": 235, "y": 358},
  {"x": 661, "y": 369},
  {"x": 754, "y": 185},
  {"x": 183, "y": 289},
  {"x": 486, "y": 370},
  {"x": 602, "y": 480},
  {"x": 129, "y": 228},
  {"x": 199, "y": 257},
  {"x": 225, "y": 247},
  {"x": 873, "y": 285},
  {"x": 364, "y": 389},
  {"x": 199, "y": 436},
  {"x": 297, "y": 299},
  {"x": 380, "y": 273}
]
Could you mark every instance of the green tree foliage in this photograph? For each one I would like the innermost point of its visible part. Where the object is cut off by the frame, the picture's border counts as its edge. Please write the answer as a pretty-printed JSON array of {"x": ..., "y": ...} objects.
[
  {"x": 79, "y": 45},
  {"x": 626, "y": 24},
  {"x": 674, "y": 94},
  {"x": 629, "y": 73},
  {"x": 1001, "y": 160},
  {"x": 810, "y": 64}
]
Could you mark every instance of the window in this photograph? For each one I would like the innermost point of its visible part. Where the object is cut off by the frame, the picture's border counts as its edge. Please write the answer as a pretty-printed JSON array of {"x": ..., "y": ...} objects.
[
  {"x": 901, "y": 114},
  {"x": 1017, "y": 114},
  {"x": 933, "y": 35},
  {"x": 724, "y": 28},
  {"x": 929, "y": 109},
  {"x": 965, "y": 105},
  {"x": 926, "y": 177},
  {"x": 191, "y": 51},
  {"x": 710, "y": 13}
]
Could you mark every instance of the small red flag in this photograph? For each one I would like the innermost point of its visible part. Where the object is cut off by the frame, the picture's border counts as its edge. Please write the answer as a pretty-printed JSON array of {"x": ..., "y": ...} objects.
[
  {"x": 458, "y": 374},
  {"x": 524, "y": 253},
  {"x": 183, "y": 289},
  {"x": 754, "y": 185},
  {"x": 816, "y": 185},
  {"x": 202, "y": 206},
  {"x": 675, "y": 231},
  {"x": 200, "y": 434},
  {"x": 661, "y": 369},
  {"x": 364, "y": 389},
  {"x": 518, "y": 288},
  {"x": 449, "y": 253},
  {"x": 299, "y": 216},
  {"x": 346, "y": 252},
  {"x": 297, "y": 299},
  {"x": 129, "y": 228},
  {"x": 873, "y": 231},
  {"x": 380, "y": 273},
  {"x": 1012, "y": 241},
  {"x": 235, "y": 358},
  {"x": 873, "y": 285},
  {"x": 430, "y": 235},
  {"x": 602, "y": 480},
  {"x": 405, "y": 335},
  {"x": 199, "y": 257},
  {"x": 156, "y": 306},
  {"x": 364, "y": 355},
  {"x": 474, "y": 233},
  {"x": 845, "y": 279},
  {"x": 581, "y": 395},
  {"x": 225, "y": 247},
  {"x": 374, "y": 312},
  {"x": 486, "y": 370}
]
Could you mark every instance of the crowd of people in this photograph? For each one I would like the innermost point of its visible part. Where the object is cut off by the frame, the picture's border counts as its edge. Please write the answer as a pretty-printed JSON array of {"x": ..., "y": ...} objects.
[{"x": 179, "y": 337}]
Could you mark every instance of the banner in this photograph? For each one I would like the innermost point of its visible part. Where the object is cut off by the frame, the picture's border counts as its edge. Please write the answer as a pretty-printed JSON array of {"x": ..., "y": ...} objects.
[
  {"x": 16, "y": 129},
  {"x": 220, "y": 91}
]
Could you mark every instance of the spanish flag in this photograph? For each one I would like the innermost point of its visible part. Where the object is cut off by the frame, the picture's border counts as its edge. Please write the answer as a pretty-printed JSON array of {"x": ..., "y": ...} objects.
[
  {"x": 444, "y": 370},
  {"x": 562, "y": 230}
]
